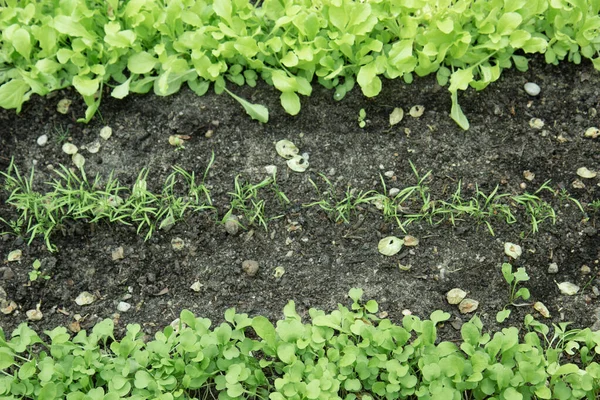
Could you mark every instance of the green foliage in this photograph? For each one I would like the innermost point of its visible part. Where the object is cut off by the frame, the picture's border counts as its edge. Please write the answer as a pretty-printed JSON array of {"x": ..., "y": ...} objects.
[
  {"x": 514, "y": 292},
  {"x": 347, "y": 354},
  {"x": 149, "y": 45}
]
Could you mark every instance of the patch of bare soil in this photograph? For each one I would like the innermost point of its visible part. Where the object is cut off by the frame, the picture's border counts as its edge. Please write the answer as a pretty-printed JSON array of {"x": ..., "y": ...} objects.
[{"x": 322, "y": 258}]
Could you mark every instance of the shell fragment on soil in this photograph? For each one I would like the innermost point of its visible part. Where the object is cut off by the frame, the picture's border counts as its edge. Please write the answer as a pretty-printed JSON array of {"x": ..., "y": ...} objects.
[
  {"x": 416, "y": 111},
  {"x": 586, "y": 173},
  {"x": 69, "y": 148},
  {"x": 106, "y": 132},
  {"x": 512, "y": 250},
  {"x": 78, "y": 160},
  {"x": 85, "y": 298},
  {"x": 14, "y": 255},
  {"x": 568, "y": 288},
  {"x": 542, "y": 309},
  {"x": 34, "y": 315},
  {"x": 455, "y": 296},
  {"x": 468, "y": 306},
  {"x": 396, "y": 116},
  {"x": 411, "y": 241},
  {"x": 297, "y": 164},
  {"x": 286, "y": 149},
  {"x": 7, "y": 307},
  {"x": 390, "y": 245},
  {"x": 592, "y": 132}
]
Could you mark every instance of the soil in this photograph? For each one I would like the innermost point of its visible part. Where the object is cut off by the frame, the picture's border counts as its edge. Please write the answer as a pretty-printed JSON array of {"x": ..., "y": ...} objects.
[{"x": 322, "y": 259}]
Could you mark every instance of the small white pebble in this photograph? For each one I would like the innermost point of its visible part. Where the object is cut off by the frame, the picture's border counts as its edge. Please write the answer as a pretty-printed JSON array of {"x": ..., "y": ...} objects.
[
  {"x": 42, "y": 140},
  {"x": 123, "y": 306},
  {"x": 388, "y": 174},
  {"x": 532, "y": 89},
  {"x": 106, "y": 132},
  {"x": 394, "y": 191}
]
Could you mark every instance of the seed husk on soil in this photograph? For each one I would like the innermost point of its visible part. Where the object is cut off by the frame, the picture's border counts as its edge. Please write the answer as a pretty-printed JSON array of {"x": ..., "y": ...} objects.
[
  {"x": 586, "y": 173},
  {"x": 512, "y": 250},
  {"x": 286, "y": 149},
  {"x": 568, "y": 288},
  {"x": 455, "y": 296},
  {"x": 390, "y": 245},
  {"x": 468, "y": 306}
]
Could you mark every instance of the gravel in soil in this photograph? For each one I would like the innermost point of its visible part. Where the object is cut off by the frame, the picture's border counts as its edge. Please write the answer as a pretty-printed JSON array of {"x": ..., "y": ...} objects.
[{"x": 305, "y": 255}]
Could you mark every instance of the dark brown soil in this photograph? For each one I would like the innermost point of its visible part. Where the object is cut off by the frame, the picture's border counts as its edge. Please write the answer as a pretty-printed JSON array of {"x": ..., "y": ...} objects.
[{"x": 322, "y": 259}]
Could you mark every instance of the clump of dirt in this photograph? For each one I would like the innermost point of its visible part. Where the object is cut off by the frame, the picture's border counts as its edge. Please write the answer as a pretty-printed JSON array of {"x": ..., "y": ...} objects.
[{"x": 321, "y": 258}]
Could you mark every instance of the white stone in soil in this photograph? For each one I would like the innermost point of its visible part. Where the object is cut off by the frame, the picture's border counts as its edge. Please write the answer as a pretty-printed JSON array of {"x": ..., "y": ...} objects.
[
  {"x": 123, "y": 306},
  {"x": 42, "y": 140},
  {"x": 106, "y": 132},
  {"x": 532, "y": 89},
  {"x": 69, "y": 148}
]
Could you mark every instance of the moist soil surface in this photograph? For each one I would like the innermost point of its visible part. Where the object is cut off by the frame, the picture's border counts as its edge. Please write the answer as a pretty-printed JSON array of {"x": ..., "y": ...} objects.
[{"x": 322, "y": 258}]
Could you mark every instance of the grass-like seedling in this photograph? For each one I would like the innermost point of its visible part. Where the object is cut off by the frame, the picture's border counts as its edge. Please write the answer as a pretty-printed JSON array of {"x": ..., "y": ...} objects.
[
  {"x": 246, "y": 199},
  {"x": 72, "y": 196},
  {"x": 340, "y": 207}
]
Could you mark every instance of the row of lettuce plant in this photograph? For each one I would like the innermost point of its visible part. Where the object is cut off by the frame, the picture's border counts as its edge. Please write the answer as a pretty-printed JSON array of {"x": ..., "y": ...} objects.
[
  {"x": 347, "y": 354},
  {"x": 142, "y": 45}
]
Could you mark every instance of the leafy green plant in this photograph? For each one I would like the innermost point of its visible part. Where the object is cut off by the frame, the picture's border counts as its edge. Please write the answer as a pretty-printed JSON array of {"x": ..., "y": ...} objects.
[
  {"x": 362, "y": 118},
  {"x": 147, "y": 46},
  {"x": 35, "y": 272},
  {"x": 514, "y": 279},
  {"x": 348, "y": 353}
]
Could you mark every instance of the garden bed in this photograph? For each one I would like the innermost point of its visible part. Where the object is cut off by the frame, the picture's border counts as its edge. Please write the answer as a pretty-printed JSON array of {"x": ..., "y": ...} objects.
[{"x": 322, "y": 255}]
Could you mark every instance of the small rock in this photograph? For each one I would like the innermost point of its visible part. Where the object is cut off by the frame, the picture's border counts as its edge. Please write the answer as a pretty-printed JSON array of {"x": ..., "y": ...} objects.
[
  {"x": 532, "y": 89},
  {"x": 250, "y": 267},
  {"x": 78, "y": 160},
  {"x": 63, "y": 106},
  {"x": 123, "y": 306},
  {"x": 177, "y": 243},
  {"x": 7, "y": 273},
  {"x": 553, "y": 268},
  {"x": 585, "y": 270},
  {"x": 271, "y": 169},
  {"x": 232, "y": 225},
  {"x": 117, "y": 253},
  {"x": 388, "y": 174},
  {"x": 42, "y": 140},
  {"x": 396, "y": 116},
  {"x": 577, "y": 184},
  {"x": 393, "y": 192}
]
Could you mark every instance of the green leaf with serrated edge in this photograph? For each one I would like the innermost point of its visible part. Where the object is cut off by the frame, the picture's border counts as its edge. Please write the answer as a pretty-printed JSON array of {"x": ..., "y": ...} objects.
[
  {"x": 457, "y": 114},
  {"x": 439, "y": 316},
  {"x": 290, "y": 102},
  {"x": 265, "y": 330},
  {"x": 255, "y": 111}
]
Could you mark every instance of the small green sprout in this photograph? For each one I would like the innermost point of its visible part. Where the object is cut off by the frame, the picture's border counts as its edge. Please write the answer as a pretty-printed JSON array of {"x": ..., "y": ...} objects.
[
  {"x": 362, "y": 115},
  {"x": 514, "y": 293},
  {"x": 35, "y": 273}
]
